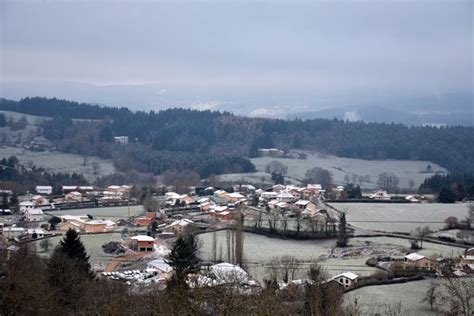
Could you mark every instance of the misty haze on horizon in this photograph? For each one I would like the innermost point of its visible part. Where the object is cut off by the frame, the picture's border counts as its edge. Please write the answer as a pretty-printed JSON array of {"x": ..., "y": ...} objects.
[{"x": 401, "y": 61}]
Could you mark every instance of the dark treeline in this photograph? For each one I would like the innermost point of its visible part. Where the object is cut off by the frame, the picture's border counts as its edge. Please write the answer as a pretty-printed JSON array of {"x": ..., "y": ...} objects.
[
  {"x": 20, "y": 179},
  {"x": 215, "y": 133},
  {"x": 451, "y": 187}
]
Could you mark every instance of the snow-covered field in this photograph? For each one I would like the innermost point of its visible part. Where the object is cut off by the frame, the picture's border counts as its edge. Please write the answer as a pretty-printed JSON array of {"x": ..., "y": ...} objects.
[
  {"x": 260, "y": 250},
  {"x": 430, "y": 250},
  {"x": 32, "y": 119},
  {"x": 258, "y": 178},
  {"x": 404, "y": 217},
  {"x": 112, "y": 213},
  {"x": 92, "y": 243},
  {"x": 375, "y": 300},
  {"x": 339, "y": 167},
  {"x": 60, "y": 162}
]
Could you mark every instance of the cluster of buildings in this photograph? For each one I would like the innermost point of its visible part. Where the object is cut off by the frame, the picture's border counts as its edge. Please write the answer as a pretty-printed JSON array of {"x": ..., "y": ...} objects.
[
  {"x": 73, "y": 195},
  {"x": 84, "y": 224},
  {"x": 462, "y": 266}
]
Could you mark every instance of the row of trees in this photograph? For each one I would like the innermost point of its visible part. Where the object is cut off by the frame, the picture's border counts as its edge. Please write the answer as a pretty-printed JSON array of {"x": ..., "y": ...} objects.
[{"x": 450, "y": 187}]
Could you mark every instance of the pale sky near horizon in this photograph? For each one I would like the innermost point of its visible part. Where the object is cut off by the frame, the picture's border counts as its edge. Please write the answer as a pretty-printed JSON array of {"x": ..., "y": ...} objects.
[{"x": 333, "y": 47}]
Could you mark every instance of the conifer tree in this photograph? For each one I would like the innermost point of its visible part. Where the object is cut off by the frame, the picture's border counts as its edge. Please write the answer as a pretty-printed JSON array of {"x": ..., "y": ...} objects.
[
  {"x": 71, "y": 251},
  {"x": 183, "y": 257}
]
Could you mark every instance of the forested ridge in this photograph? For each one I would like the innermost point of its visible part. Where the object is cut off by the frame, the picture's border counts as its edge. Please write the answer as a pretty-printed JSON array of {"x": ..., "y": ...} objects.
[{"x": 188, "y": 139}]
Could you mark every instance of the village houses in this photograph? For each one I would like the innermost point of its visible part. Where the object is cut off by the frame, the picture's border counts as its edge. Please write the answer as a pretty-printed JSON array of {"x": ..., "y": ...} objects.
[{"x": 414, "y": 260}]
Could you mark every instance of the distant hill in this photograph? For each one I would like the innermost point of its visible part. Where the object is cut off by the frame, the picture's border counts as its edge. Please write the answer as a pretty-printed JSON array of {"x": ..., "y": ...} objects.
[
  {"x": 219, "y": 142},
  {"x": 450, "y": 109}
]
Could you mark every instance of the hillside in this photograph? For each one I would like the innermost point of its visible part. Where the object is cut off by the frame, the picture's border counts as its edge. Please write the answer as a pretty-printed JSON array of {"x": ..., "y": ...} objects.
[
  {"x": 179, "y": 139},
  {"x": 355, "y": 169}
]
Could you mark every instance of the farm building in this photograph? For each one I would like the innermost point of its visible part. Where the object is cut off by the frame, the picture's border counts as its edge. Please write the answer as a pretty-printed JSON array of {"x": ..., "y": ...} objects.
[
  {"x": 34, "y": 215},
  {"x": 44, "y": 189},
  {"x": 417, "y": 261},
  {"x": 467, "y": 259},
  {"x": 26, "y": 205},
  {"x": 142, "y": 243},
  {"x": 178, "y": 227},
  {"x": 13, "y": 232},
  {"x": 346, "y": 279}
]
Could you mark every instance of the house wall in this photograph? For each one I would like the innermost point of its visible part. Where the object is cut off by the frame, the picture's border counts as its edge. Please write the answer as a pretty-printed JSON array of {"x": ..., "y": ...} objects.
[
  {"x": 424, "y": 263},
  {"x": 145, "y": 245},
  {"x": 97, "y": 228}
]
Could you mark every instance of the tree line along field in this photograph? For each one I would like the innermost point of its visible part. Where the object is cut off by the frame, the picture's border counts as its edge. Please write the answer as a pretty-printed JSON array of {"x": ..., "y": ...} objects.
[
  {"x": 54, "y": 161},
  {"x": 339, "y": 167},
  {"x": 404, "y": 217}
]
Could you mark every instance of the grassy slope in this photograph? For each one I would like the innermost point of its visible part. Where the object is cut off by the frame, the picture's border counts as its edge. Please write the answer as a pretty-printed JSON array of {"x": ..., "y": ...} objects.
[
  {"x": 60, "y": 162},
  {"x": 339, "y": 167}
]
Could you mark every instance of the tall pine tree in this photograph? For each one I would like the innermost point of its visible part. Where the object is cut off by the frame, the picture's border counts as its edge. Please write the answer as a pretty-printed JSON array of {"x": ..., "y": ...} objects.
[
  {"x": 183, "y": 257},
  {"x": 71, "y": 254}
]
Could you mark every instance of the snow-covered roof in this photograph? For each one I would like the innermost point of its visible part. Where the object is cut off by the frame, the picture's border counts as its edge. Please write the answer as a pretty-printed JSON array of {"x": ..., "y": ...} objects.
[
  {"x": 314, "y": 186},
  {"x": 459, "y": 273},
  {"x": 236, "y": 195},
  {"x": 349, "y": 275},
  {"x": 181, "y": 222},
  {"x": 161, "y": 265},
  {"x": 27, "y": 203},
  {"x": 302, "y": 202},
  {"x": 86, "y": 188},
  {"x": 282, "y": 204},
  {"x": 44, "y": 187},
  {"x": 74, "y": 217},
  {"x": 285, "y": 195},
  {"x": 38, "y": 231},
  {"x": 228, "y": 272},
  {"x": 269, "y": 194},
  {"x": 203, "y": 200},
  {"x": 143, "y": 238},
  {"x": 219, "y": 208},
  {"x": 13, "y": 229},
  {"x": 69, "y": 187},
  {"x": 414, "y": 257},
  {"x": 35, "y": 211}
]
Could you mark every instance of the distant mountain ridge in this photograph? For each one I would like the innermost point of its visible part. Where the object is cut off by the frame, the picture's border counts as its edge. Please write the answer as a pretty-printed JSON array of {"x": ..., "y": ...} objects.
[{"x": 451, "y": 109}]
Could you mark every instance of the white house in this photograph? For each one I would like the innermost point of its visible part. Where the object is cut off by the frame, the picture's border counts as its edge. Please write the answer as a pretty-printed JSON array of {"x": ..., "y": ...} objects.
[
  {"x": 38, "y": 232},
  {"x": 44, "y": 189},
  {"x": 285, "y": 196},
  {"x": 121, "y": 139},
  {"x": 177, "y": 227},
  {"x": 26, "y": 205},
  {"x": 305, "y": 204},
  {"x": 34, "y": 215},
  {"x": 380, "y": 195},
  {"x": 346, "y": 279},
  {"x": 13, "y": 232},
  {"x": 412, "y": 199}
]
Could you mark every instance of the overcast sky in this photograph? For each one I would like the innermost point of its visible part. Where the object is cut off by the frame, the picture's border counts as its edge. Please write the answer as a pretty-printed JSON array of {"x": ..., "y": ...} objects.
[{"x": 233, "y": 50}]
